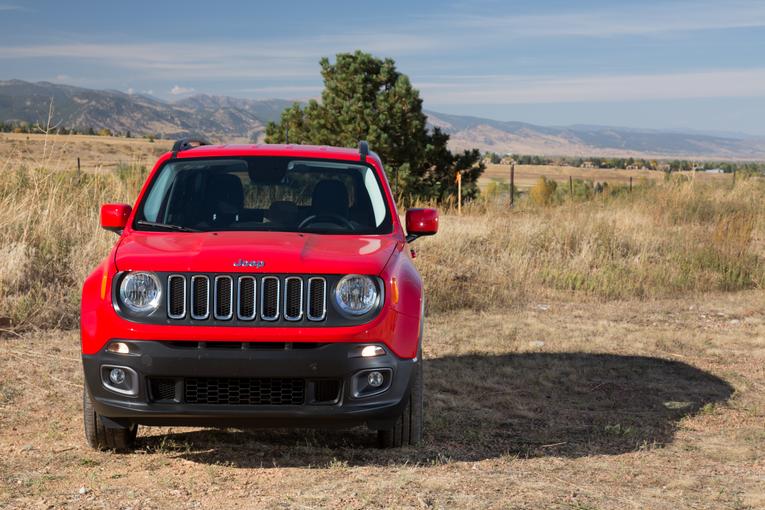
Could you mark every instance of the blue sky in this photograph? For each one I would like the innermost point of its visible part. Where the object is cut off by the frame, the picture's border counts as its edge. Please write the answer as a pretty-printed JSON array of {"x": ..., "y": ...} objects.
[{"x": 657, "y": 64}]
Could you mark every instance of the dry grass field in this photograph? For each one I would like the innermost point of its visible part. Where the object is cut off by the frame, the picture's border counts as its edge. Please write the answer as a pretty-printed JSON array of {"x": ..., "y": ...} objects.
[
  {"x": 96, "y": 153},
  {"x": 527, "y": 175},
  {"x": 598, "y": 353}
]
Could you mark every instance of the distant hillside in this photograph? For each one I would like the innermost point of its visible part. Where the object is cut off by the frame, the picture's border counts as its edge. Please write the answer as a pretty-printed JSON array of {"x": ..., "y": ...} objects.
[
  {"x": 222, "y": 118},
  {"x": 584, "y": 140}
]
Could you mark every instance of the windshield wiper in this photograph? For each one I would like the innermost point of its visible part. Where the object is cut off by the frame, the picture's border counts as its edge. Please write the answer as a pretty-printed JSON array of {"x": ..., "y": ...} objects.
[{"x": 165, "y": 226}]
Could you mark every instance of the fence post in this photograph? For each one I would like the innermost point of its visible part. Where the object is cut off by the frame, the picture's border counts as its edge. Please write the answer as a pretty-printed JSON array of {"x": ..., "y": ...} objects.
[
  {"x": 512, "y": 183},
  {"x": 78, "y": 166},
  {"x": 571, "y": 186},
  {"x": 630, "y": 184}
]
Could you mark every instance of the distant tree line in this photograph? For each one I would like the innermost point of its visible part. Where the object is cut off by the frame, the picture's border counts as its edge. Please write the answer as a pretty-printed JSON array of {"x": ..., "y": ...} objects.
[
  {"x": 675, "y": 165},
  {"x": 26, "y": 127}
]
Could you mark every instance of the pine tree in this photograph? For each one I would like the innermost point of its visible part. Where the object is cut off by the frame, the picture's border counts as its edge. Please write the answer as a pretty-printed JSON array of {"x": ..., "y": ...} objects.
[{"x": 365, "y": 98}]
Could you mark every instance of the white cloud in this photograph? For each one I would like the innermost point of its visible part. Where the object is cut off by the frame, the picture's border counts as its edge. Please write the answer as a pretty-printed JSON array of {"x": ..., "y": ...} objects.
[
  {"x": 63, "y": 78},
  {"x": 268, "y": 59},
  {"x": 507, "y": 89},
  {"x": 619, "y": 20},
  {"x": 179, "y": 91},
  {"x": 289, "y": 90}
]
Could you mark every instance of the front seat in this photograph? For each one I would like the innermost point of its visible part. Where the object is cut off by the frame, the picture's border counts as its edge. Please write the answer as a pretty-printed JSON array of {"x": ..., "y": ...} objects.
[
  {"x": 330, "y": 197},
  {"x": 224, "y": 199}
]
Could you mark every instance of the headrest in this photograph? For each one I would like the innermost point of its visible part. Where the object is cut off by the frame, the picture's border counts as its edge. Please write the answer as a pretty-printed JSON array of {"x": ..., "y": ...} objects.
[
  {"x": 330, "y": 197},
  {"x": 283, "y": 212},
  {"x": 225, "y": 194}
]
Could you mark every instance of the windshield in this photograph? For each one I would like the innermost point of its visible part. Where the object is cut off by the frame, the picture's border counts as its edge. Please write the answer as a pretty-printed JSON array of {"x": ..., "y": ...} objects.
[{"x": 265, "y": 193}]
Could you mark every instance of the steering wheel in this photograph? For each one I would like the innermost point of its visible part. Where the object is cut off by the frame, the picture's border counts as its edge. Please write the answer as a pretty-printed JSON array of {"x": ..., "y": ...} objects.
[{"x": 332, "y": 218}]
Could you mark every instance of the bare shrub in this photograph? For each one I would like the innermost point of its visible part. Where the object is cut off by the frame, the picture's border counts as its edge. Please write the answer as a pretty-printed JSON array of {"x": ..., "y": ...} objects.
[{"x": 543, "y": 191}]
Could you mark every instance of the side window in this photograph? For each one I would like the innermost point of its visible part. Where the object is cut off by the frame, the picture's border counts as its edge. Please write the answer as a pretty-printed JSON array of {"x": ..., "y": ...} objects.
[
  {"x": 375, "y": 196},
  {"x": 153, "y": 202}
]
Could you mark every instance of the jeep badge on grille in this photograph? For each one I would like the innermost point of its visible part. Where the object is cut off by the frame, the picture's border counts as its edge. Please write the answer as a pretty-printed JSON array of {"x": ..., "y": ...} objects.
[{"x": 257, "y": 264}]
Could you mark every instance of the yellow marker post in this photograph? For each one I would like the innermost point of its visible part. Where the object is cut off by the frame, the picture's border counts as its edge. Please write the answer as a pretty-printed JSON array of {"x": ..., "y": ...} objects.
[{"x": 459, "y": 192}]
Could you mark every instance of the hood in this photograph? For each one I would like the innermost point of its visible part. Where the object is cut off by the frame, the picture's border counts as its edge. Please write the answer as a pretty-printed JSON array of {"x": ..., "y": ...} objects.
[{"x": 279, "y": 252}]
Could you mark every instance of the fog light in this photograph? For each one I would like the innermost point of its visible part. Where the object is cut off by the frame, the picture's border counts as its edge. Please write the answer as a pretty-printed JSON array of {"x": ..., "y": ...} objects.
[
  {"x": 375, "y": 379},
  {"x": 117, "y": 376},
  {"x": 122, "y": 380},
  {"x": 119, "y": 348}
]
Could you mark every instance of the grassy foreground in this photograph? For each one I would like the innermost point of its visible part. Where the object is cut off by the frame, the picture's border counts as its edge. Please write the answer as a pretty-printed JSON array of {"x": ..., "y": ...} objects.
[{"x": 664, "y": 240}]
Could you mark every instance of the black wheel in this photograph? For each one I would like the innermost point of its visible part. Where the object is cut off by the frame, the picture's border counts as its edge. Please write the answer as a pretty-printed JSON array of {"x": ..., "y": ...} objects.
[
  {"x": 408, "y": 428},
  {"x": 100, "y": 437}
]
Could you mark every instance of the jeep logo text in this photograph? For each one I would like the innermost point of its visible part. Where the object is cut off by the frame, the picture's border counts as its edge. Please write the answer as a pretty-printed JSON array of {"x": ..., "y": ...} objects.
[{"x": 257, "y": 264}]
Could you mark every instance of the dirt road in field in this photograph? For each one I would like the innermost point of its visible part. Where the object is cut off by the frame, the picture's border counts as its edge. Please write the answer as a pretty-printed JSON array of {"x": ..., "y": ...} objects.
[{"x": 557, "y": 405}]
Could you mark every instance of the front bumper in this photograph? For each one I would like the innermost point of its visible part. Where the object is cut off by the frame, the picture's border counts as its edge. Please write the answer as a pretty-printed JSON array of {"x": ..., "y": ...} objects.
[{"x": 177, "y": 362}]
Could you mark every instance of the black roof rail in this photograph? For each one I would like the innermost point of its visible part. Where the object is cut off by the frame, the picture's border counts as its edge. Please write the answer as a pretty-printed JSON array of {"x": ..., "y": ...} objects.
[
  {"x": 185, "y": 144},
  {"x": 363, "y": 150}
]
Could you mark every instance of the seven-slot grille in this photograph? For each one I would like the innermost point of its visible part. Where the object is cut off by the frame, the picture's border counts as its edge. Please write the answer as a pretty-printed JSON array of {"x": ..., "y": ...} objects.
[{"x": 246, "y": 298}]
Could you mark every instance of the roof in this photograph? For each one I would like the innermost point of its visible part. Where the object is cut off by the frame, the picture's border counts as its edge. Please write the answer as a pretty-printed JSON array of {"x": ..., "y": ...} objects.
[{"x": 259, "y": 149}]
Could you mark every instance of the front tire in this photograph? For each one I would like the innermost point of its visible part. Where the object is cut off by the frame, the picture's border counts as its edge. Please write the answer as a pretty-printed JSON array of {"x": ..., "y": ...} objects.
[
  {"x": 101, "y": 437},
  {"x": 408, "y": 428}
]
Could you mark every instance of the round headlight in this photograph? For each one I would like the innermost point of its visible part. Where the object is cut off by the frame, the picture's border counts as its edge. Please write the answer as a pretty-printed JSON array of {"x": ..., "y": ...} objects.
[
  {"x": 141, "y": 292},
  {"x": 356, "y": 294}
]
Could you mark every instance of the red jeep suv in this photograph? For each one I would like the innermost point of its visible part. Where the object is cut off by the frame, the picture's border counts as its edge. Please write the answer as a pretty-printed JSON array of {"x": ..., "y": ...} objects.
[{"x": 257, "y": 285}]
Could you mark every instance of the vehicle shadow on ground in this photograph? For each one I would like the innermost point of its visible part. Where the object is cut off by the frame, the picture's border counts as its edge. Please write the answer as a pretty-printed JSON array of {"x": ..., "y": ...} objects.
[{"x": 479, "y": 407}]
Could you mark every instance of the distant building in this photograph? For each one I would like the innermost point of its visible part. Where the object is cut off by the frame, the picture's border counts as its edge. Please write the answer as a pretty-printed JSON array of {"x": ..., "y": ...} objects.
[
  {"x": 664, "y": 167},
  {"x": 588, "y": 164},
  {"x": 633, "y": 167},
  {"x": 714, "y": 171}
]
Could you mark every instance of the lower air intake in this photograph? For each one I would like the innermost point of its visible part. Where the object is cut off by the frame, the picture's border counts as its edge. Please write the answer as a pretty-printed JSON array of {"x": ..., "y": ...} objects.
[{"x": 243, "y": 391}]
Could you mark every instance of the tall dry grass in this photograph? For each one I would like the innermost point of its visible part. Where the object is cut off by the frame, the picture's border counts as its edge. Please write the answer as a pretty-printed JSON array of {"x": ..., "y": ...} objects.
[
  {"x": 665, "y": 240},
  {"x": 50, "y": 239},
  {"x": 675, "y": 238}
]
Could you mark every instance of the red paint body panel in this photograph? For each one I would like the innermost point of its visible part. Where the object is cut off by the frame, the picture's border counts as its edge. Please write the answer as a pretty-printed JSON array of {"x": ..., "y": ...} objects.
[
  {"x": 422, "y": 222},
  {"x": 285, "y": 252},
  {"x": 115, "y": 216},
  {"x": 396, "y": 326}
]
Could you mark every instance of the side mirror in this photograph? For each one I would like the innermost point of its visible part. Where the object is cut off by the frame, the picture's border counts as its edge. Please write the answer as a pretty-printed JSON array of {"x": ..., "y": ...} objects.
[
  {"x": 420, "y": 222},
  {"x": 114, "y": 217}
]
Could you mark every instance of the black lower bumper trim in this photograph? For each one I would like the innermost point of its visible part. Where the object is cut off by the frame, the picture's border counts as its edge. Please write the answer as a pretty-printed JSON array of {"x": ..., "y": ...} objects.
[{"x": 248, "y": 387}]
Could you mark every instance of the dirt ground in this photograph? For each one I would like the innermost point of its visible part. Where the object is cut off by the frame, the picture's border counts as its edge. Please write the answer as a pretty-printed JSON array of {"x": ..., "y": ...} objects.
[{"x": 553, "y": 405}]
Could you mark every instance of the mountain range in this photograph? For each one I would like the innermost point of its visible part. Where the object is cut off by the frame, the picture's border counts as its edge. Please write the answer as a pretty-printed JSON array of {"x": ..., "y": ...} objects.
[{"x": 235, "y": 119}]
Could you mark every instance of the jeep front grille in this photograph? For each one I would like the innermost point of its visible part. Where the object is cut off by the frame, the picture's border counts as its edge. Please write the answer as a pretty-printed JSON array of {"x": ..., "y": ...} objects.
[
  {"x": 176, "y": 296},
  {"x": 246, "y": 298},
  {"x": 317, "y": 299},
  {"x": 200, "y": 297},
  {"x": 293, "y": 298},
  {"x": 224, "y": 297}
]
